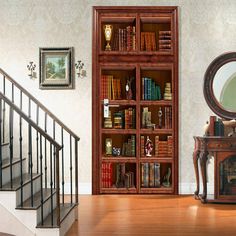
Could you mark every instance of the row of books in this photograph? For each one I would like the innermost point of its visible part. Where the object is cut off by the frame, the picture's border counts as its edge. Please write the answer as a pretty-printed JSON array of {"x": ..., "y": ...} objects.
[
  {"x": 161, "y": 148},
  {"x": 216, "y": 127},
  {"x": 125, "y": 119},
  {"x": 146, "y": 121},
  {"x": 146, "y": 118},
  {"x": 148, "y": 41},
  {"x": 124, "y": 39},
  {"x": 110, "y": 87},
  {"x": 150, "y": 175},
  {"x": 150, "y": 89},
  {"x": 123, "y": 178},
  {"x": 164, "y": 148},
  {"x": 106, "y": 175},
  {"x": 128, "y": 148},
  {"x": 164, "y": 40}
]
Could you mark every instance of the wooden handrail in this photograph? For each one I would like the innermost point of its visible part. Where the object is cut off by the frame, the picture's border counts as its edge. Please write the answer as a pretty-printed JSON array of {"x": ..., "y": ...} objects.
[
  {"x": 26, "y": 118},
  {"x": 39, "y": 104}
]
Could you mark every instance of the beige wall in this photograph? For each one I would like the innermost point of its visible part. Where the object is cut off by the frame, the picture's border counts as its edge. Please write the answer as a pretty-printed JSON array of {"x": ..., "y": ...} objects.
[{"x": 207, "y": 28}]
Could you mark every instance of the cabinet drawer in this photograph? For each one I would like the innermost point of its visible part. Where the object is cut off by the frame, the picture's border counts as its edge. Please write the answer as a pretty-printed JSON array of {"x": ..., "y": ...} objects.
[{"x": 221, "y": 145}]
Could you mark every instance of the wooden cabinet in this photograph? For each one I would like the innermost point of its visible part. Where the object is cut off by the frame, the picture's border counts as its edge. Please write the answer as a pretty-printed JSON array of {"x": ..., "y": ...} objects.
[
  {"x": 223, "y": 150},
  {"x": 136, "y": 72}
]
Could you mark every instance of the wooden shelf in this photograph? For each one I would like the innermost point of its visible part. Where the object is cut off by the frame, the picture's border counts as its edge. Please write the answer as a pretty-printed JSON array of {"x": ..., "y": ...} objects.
[
  {"x": 158, "y": 103},
  {"x": 118, "y": 131},
  {"x": 135, "y": 53},
  {"x": 118, "y": 190},
  {"x": 156, "y": 131},
  {"x": 121, "y": 102},
  {"x": 156, "y": 190},
  {"x": 112, "y": 71},
  {"x": 160, "y": 159},
  {"x": 120, "y": 159}
]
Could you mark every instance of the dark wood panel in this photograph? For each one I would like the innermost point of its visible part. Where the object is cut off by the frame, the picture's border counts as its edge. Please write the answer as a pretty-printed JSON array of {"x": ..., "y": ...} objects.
[{"x": 161, "y": 65}]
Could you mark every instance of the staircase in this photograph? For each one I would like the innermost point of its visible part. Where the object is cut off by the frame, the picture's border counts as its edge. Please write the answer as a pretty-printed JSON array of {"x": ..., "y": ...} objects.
[{"x": 38, "y": 166}]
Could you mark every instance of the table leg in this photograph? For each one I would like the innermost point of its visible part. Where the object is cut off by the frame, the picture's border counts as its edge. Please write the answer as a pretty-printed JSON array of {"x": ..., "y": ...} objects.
[
  {"x": 195, "y": 163},
  {"x": 203, "y": 161}
]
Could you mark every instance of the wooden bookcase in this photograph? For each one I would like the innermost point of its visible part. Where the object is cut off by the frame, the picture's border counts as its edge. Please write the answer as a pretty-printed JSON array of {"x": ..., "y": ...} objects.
[{"x": 144, "y": 54}]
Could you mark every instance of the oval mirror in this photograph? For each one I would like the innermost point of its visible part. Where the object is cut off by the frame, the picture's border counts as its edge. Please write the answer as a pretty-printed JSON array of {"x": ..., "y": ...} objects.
[{"x": 220, "y": 85}]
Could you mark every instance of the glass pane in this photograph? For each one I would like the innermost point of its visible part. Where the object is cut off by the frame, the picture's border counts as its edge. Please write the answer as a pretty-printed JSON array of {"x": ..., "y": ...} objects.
[{"x": 228, "y": 176}]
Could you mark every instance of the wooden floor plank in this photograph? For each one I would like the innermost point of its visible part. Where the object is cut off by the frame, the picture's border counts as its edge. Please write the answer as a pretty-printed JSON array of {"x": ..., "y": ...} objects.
[{"x": 144, "y": 215}]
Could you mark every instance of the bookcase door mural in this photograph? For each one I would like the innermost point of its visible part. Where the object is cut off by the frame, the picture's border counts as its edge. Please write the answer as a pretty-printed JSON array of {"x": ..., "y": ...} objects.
[{"x": 135, "y": 100}]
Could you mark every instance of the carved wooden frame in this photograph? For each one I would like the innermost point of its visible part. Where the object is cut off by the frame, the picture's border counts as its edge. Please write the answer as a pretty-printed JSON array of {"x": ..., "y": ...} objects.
[{"x": 210, "y": 73}]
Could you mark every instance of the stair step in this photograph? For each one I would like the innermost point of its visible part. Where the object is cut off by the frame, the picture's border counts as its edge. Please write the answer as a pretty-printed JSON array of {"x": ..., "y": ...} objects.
[
  {"x": 65, "y": 209},
  {"x": 16, "y": 182},
  {"x": 37, "y": 200},
  {"x": 6, "y": 162}
]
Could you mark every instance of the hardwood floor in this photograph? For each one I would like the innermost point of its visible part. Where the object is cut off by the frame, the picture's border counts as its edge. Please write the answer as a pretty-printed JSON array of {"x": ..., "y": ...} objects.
[{"x": 104, "y": 215}]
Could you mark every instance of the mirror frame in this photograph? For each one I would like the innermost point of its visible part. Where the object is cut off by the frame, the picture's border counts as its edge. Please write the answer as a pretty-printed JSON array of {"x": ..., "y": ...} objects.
[{"x": 208, "y": 92}]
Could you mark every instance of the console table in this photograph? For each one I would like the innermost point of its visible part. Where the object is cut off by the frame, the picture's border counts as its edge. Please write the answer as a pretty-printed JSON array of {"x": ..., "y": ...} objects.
[{"x": 223, "y": 149}]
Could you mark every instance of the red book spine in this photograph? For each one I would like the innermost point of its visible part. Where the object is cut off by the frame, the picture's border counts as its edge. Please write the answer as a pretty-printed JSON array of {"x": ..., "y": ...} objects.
[{"x": 211, "y": 125}]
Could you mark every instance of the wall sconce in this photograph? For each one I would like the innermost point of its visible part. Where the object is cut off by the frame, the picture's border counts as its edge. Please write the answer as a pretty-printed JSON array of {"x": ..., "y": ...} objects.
[
  {"x": 79, "y": 66},
  {"x": 31, "y": 67}
]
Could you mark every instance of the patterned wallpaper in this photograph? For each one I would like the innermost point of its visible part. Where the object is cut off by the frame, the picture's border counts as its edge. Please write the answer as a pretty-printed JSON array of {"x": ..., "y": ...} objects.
[{"x": 207, "y": 28}]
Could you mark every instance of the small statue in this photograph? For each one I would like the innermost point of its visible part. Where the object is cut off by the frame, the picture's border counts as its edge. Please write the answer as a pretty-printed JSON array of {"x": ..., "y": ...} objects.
[
  {"x": 206, "y": 129},
  {"x": 128, "y": 90},
  {"x": 166, "y": 182},
  {"x": 159, "y": 118},
  {"x": 148, "y": 147}
]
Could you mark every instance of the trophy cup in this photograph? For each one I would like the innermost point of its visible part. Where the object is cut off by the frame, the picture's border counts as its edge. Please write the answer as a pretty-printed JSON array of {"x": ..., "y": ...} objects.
[{"x": 108, "y": 33}]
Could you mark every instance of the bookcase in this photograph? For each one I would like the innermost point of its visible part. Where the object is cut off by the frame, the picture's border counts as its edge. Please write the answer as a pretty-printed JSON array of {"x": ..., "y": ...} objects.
[{"x": 135, "y": 100}]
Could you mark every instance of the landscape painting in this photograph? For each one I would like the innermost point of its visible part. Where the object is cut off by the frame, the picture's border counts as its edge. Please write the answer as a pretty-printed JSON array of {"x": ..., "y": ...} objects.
[{"x": 55, "y": 68}]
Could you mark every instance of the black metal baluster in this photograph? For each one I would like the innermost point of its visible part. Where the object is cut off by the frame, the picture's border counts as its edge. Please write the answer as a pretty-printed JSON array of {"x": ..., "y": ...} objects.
[
  {"x": 11, "y": 143},
  {"x": 29, "y": 115},
  {"x": 62, "y": 164},
  {"x": 51, "y": 183},
  {"x": 45, "y": 151},
  {"x": 76, "y": 172},
  {"x": 4, "y": 85},
  {"x": 37, "y": 139},
  {"x": 41, "y": 177},
  {"x": 12, "y": 93},
  {"x": 21, "y": 158},
  {"x": 54, "y": 154},
  {"x": 0, "y": 143},
  {"x": 30, "y": 164},
  {"x": 71, "y": 188},
  {"x": 29, "y": 108},
  {"x": 4, "y": 111},
  {"x": 58, "y": 188}
]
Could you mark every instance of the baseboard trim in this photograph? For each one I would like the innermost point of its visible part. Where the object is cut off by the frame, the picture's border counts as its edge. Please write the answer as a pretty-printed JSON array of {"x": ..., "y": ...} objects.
[
  {"x": 189, "y": 188},
  {"x": 184, "y": 188},
  {"x": 84, "y": 188}
]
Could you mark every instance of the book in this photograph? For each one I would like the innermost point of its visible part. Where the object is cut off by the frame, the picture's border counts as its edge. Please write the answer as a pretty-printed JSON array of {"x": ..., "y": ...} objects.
[
  {"x": 151, "y": 175},
  {"x": 148, "y": 41},
  {"x": 142, "y": 140},
  {"x": 157, "y": 177},
  {"x": 212, "y": 125}
]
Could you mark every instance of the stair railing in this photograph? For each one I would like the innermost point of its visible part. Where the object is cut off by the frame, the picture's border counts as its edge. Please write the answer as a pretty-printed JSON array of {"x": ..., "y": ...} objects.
[
  {"x": 33, "y": 128},
  {"x": 51, "y": 125}
]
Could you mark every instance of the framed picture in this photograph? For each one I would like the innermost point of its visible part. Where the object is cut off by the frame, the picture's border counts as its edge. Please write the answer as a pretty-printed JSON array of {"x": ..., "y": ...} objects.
[{"x": 56, "y": 68}]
